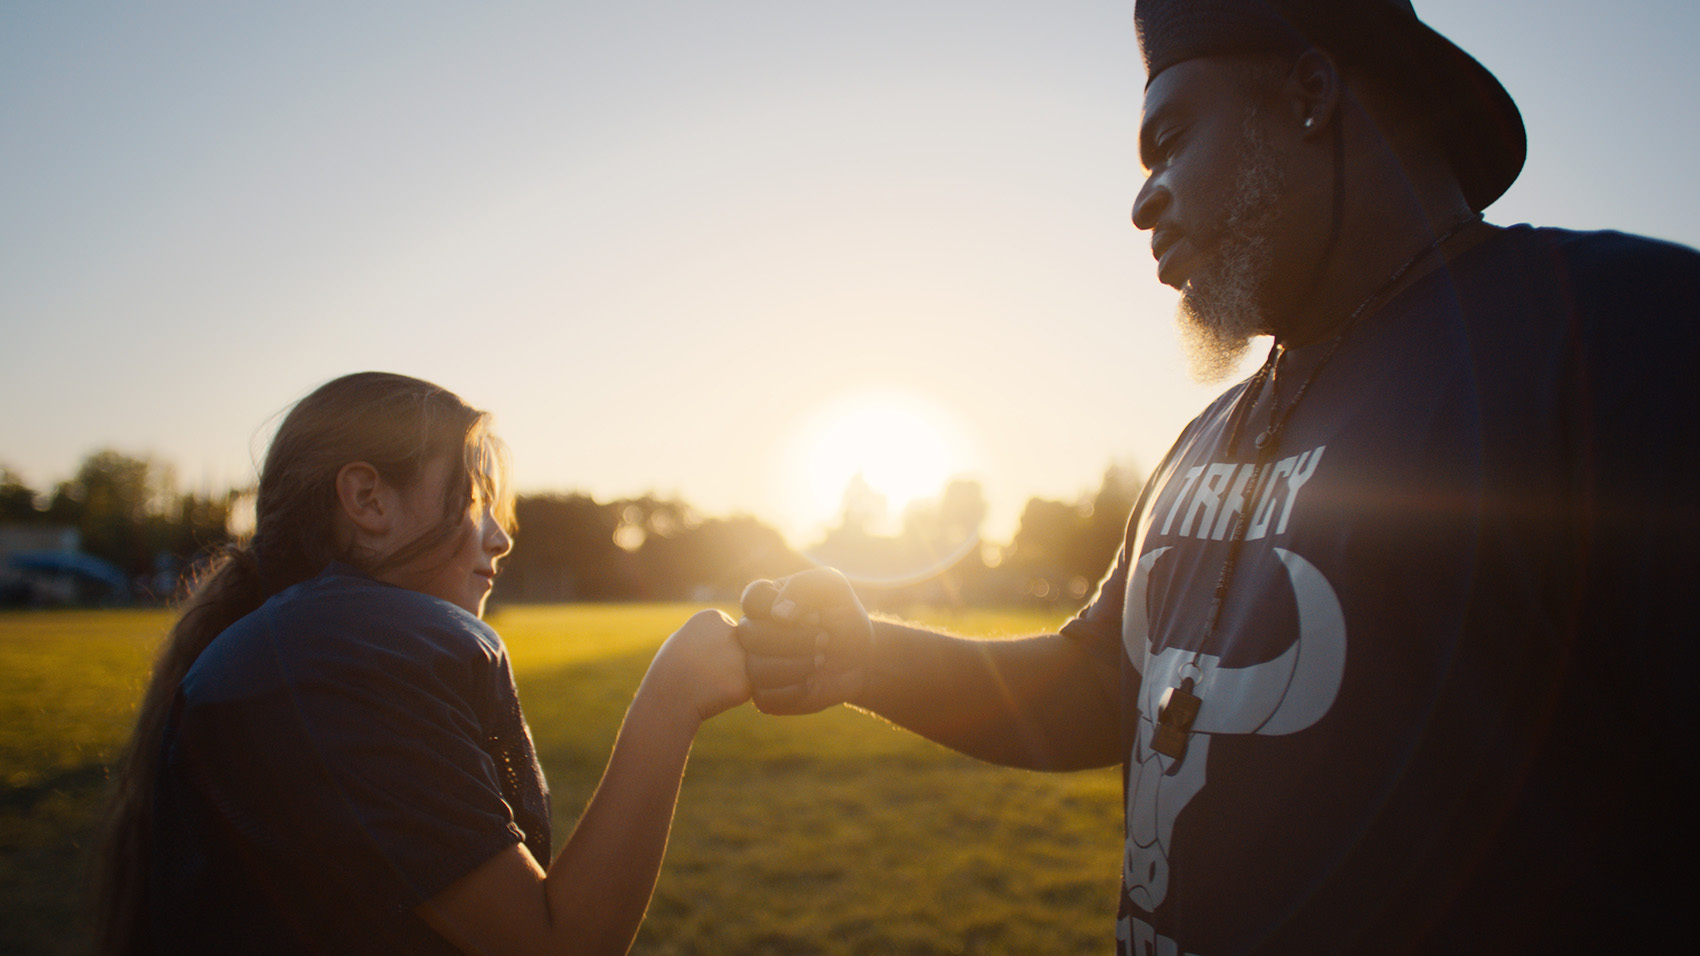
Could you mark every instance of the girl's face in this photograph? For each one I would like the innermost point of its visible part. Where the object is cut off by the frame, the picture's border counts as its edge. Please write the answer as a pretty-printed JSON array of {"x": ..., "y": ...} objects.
[{"x": 462, "y": 570}]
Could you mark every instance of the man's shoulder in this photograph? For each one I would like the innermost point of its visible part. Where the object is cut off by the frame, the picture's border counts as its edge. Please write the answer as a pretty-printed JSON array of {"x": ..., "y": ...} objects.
[
  {"x": 1622, "y": 308},
  {"x": 1616, "y": 289},
  {"x": 1608, "y": 255},
  {"x": 1607, "y": 242}
]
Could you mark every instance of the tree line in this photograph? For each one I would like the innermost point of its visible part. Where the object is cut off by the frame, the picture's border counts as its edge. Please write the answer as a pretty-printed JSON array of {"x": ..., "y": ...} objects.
[{"x": 129, "y": 511}]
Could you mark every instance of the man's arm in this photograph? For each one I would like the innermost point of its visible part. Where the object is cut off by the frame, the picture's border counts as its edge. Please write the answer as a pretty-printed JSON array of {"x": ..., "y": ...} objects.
[
  {"x": 1043, "y": 703},
  {"x": 1037, "y": 702}
]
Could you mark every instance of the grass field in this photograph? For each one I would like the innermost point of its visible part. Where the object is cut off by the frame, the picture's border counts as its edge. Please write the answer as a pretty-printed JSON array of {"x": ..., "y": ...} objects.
[{"x": 829, "y": 834}]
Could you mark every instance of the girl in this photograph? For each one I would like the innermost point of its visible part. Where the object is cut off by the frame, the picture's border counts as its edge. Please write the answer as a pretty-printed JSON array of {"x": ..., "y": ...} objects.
[{"x": 330, "y": 757}]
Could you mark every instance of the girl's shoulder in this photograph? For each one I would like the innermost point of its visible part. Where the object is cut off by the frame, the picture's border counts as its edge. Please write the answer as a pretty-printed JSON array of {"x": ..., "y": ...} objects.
[
  {"x": 345, "y": 623},
  {"x": 343, "y": 597}
]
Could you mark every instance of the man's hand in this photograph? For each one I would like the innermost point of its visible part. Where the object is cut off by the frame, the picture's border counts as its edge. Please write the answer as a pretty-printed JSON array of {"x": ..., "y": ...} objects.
[{"x": 808, "y": 641}]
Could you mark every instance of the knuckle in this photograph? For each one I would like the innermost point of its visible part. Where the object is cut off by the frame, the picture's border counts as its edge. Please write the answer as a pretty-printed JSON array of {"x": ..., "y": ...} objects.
[
  {"x": 708, "y": 620},
  {"x": 757, "y": 599}
]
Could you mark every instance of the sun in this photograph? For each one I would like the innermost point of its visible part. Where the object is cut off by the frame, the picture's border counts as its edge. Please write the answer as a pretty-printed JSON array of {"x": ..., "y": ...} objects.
[{"x": 902, "y": 444}]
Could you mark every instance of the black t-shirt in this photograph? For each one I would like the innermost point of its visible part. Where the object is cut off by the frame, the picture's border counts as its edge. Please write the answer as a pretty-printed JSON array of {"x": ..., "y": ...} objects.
[
  {"x": 1447, "y": 706},
  {"x": 333, "y": 760}
]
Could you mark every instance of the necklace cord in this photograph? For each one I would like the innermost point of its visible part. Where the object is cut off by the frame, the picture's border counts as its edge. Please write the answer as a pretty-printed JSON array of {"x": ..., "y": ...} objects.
[{"x": 1269, "y": 439}]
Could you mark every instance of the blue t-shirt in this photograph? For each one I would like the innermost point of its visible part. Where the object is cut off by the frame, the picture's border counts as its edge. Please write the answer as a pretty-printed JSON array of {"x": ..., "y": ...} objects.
[
  {"x": 1448, "y": 703},
  {"x": 333, "y": 760}
]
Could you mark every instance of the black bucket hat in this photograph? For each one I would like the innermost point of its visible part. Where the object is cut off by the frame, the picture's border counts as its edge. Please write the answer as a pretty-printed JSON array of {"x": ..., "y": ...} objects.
[{"x": 1479, "y": 125}]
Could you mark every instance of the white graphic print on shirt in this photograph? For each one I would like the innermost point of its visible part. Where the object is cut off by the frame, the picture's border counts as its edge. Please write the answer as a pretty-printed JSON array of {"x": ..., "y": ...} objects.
[{"x": 1280, "y": 696}]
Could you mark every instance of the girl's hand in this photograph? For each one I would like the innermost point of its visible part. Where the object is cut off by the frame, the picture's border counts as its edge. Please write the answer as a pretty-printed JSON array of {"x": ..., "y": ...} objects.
[{"x": 701, "y": 667}]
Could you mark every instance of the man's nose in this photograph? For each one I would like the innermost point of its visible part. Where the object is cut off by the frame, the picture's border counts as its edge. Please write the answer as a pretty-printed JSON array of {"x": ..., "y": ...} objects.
[{"x": 1148, "y": 205}]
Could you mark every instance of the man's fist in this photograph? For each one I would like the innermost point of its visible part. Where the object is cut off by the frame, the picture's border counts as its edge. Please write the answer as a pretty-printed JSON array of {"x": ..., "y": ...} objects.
[{"x": 807, "y": 639}]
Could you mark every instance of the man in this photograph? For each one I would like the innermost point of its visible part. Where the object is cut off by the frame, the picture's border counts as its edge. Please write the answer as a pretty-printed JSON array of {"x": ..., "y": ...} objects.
[{"x": 1391, "y": 654}]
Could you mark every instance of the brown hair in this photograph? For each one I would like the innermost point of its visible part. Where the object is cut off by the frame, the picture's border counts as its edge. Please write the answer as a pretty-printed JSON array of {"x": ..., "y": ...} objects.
[{"x": 395, "y": 423}]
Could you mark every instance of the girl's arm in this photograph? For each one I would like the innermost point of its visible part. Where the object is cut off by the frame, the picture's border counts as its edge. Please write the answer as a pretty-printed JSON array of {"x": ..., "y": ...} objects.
[{"x": 593, "y": 896}]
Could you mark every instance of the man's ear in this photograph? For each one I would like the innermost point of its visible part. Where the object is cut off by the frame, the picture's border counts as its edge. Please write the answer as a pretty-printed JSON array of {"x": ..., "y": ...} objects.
[
  {"x": 1313, "y": 91},
  {"x": 367, "y": 500}
]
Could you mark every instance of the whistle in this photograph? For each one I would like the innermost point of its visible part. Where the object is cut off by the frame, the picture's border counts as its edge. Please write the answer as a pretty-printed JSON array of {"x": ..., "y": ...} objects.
[{"x": 1175, "y": 714}]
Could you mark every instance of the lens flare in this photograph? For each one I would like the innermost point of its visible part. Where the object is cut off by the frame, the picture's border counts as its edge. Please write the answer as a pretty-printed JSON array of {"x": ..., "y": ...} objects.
[{"x": 901, "y": 444}]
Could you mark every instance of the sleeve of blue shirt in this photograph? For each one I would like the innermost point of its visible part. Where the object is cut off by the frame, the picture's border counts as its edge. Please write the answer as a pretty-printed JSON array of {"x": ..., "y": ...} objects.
[{"x": 341, "y": 734}]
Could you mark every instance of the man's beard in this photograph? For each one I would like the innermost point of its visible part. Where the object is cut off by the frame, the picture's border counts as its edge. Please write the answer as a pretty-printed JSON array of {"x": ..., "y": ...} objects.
[{"x": 1220, "y": 306}]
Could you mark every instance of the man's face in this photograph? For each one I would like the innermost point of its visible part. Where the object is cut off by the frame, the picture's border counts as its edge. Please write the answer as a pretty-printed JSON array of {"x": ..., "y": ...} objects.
[{"x": 1211, "y": 200}]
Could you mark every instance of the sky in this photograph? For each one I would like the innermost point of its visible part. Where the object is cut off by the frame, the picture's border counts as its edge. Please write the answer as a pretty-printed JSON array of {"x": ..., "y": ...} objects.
[{"x": 690, "y": 248}]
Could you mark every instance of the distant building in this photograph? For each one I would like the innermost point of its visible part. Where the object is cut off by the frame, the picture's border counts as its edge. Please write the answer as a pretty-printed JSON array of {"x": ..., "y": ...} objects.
[
  {"x": 42, "y": 566},
  {"x": 36, "y": 537}
]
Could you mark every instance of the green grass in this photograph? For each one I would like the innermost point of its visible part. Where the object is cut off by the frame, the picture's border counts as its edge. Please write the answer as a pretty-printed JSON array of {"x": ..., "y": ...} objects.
[{"x": 828, "y": 834}]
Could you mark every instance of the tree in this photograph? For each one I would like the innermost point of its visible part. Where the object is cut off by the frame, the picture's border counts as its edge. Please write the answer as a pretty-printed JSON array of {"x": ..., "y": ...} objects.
[
  {"x": 111, "y": 501},
  {"x": 1111, "y": 508},
  {"x": 934, "y": 559},
  {"x": 127, "y": 511},
  {"x": 713, "y": 559},
  {"x": 18, "y": 500},
  {"x": 943, "y": 535},
  {"x": 573, "y": 548},
  {"x": 564, "y": 551},
  {"x": 1060, "y": 549}
]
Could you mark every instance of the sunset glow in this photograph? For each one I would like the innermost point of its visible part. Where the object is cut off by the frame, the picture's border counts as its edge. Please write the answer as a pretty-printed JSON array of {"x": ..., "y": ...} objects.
[
  {"x": 660, "y": 242},
  {"x": 904, "y": 445}
]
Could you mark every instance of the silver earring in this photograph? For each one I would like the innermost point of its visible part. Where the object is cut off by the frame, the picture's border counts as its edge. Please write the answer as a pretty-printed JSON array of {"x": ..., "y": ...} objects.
[{"x": 1310, "y": 121}]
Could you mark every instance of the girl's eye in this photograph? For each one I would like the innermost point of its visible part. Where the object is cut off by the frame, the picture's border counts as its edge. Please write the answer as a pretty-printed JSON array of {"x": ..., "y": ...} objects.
[{"x": 1165, "y": 146}]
